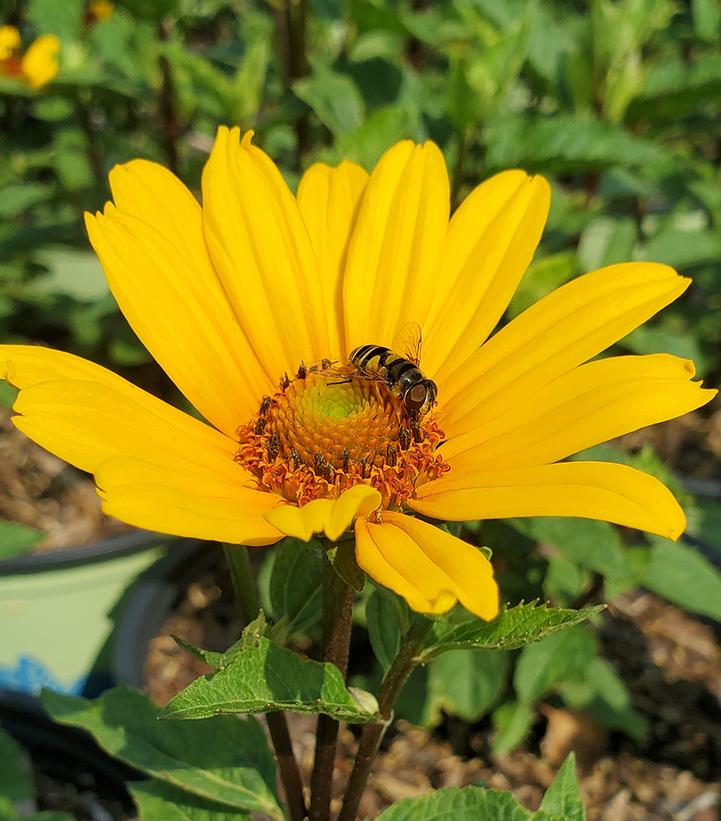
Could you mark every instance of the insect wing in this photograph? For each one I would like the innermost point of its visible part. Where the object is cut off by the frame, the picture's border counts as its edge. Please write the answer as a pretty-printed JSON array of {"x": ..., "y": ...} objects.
[{"x": 408, "y": 342}]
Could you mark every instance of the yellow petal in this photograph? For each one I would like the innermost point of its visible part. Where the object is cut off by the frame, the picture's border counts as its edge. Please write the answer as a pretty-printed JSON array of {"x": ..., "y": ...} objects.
[
  {"x": 589, "y": 490},
  {"x": 329, "y": 516},
  {"x": 427, "y": 566},
  {"x": 86, "y": 414},
  {"x": 40, "y": 62},
  {"x": 262, "y": 252},
  {"x": 390, "y": 276},
  {"x": 328, "y": 199},
  {"x": 189, "y": 503},
  {"x": 153, "y": 253},
  {"x": 562, "y": 330},
  {"x": 9, "y": 41},
  {"x": 491, "y": 240},
  {"x": 589, "y": 405}
]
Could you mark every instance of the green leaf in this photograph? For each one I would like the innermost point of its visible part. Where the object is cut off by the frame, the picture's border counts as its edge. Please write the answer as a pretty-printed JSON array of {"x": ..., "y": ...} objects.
[
  {"x": 605, "y": 696},
  {"x": 72, "y": 272},
  {"x": 673, "y": 88},
  {"x": 683, "y": 247},
  {"x": 706, "y": 19},
  {"x": 387, "y": 621},
  {"x": 459, "y": 804},
  {"x": 366, "y": 143},
  {"x": 558, "y": 658},
  {"x": 605, "y": 241},
  {"x": 16, "y": 539},
  {"x": 591, "y": 544},
  {"x": 513, "y": 721},
  {"x": 160, "y": 801},
  {"x": 334, "y": 97},
  {"x": 225, "y": 759},
  {"x": 566, "y": 144},
  {"x": 296, "y": 585},
  {"x": 61, "y": 17},
  {"x": 465, "y": 683},
  {"x": 543, "y": 276},
  {"x": 264, "y": 677},
  {"x": 342, "y": 557},
  {"x": 563, "y": 797},
  {"x": 682, "y": 576},
  {"x": 19, "y": 198},
  {"x": 514, "y": 627},
  {"x": 16, "y": 782},
  {"x": 664, "y": 337}
]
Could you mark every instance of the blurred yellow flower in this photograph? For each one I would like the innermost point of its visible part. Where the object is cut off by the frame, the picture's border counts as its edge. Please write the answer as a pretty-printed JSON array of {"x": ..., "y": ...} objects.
[
  {"x": 99, "y": 10},
  {"x": 37, "y": 66},
  {"x": 232, "y": 297}
]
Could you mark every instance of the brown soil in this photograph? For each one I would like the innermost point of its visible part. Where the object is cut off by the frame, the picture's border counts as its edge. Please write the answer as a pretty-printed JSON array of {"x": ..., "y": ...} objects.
[
  {"x": 39, "y": 490},
  {"x": 671, "y": 662}
]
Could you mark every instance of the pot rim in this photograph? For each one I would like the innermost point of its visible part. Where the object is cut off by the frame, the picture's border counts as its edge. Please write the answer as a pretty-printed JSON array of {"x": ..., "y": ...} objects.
[{"x": 103, "y": 550}]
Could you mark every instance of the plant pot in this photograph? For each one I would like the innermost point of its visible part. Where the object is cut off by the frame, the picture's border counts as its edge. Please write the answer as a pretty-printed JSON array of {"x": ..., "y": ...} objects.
[
  {"x": 58, "y": 610},
  {"x": 150, "y": 600},
  {"x": 68, "y": 762}
]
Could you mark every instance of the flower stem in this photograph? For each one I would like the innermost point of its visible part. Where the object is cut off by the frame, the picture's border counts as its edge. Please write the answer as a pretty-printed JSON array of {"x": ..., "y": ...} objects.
[
  {"x": 337, "y": 623},
  {"x": 246, "y": 595},
  {"x": 372, "y": 734}
]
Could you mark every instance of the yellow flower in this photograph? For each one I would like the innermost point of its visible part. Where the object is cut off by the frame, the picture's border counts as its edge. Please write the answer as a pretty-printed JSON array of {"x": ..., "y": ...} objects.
[
  {"x": 232, "y": 297},
  {"x": 37, "y": 66}
]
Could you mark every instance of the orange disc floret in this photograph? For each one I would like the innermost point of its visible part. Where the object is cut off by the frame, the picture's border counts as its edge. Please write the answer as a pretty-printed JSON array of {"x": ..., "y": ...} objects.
[{"x": 329, "y": 429}]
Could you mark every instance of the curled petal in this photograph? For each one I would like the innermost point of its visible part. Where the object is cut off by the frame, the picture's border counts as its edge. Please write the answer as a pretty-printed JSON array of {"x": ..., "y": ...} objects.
[
  {"x": 329, "y": 516},
  {"x": 427, "y": 566}
]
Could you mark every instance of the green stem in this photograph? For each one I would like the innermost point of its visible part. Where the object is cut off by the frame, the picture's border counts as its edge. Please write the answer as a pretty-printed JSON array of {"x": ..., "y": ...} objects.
[
  {"x": 241, "y": 574},
  {"x": 337, "y": 623},
  {"x": 372, "y": 734}
]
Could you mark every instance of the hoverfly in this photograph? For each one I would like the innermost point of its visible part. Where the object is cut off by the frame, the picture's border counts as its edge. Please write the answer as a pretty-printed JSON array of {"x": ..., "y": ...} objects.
[{"x": 402, "y": 374}]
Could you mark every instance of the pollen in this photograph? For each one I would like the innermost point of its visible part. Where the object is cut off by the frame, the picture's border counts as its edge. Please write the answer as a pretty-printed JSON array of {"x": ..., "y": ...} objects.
[{"x": 327, "y": 429}]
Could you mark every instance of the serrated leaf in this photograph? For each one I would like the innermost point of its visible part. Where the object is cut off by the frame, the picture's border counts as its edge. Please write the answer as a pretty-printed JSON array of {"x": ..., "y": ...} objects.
[
  {"x": 461, "y": 804},
  {"x": 265, "y": 677},
  {"x": 557, "y": 658},
  {"x": 563, "y": 797},
  {"x": 225, "y": 759},
  {"x": 514, "y": 627},
  {"x": 16, "y": 539},
  {"x": 160, "y": 801},
  {"x": 296, "y": 585},
  {"x": 16, "y": 781}
]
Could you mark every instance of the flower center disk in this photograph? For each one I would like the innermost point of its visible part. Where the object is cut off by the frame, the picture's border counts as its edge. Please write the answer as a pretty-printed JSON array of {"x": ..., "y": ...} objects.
[{"x": 329, "y": 429}]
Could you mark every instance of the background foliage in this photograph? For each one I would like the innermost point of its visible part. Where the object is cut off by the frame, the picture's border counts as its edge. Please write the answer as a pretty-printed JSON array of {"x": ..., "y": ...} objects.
[{"x": 616, "y": 101}]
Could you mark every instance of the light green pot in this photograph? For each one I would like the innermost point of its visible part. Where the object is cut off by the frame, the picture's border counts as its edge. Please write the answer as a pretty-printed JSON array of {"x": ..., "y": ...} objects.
[{"x": 58, "y": 611}]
